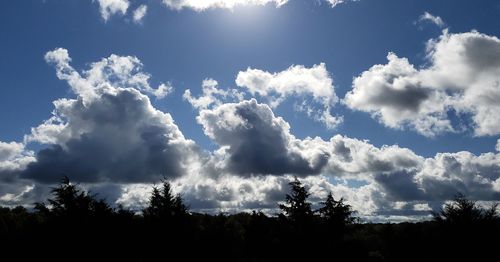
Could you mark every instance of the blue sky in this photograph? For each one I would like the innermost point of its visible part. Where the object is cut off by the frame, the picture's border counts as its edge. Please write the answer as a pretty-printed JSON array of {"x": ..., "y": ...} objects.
[{"x": 184, "y": 47}]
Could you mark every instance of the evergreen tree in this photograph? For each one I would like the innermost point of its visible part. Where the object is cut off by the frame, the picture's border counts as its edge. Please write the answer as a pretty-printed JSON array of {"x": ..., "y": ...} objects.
[
  {"x": 297, "y": 208},
  {"x": 71, "y": 202},
  {"x": 164, "y": 204},
  {"x": 465, "y": 211},
  {"x": 336, "y": 212}
]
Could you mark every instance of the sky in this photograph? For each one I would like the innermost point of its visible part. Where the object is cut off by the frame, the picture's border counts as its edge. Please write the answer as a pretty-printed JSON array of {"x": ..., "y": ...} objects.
[{"x": 393, "y": 105}]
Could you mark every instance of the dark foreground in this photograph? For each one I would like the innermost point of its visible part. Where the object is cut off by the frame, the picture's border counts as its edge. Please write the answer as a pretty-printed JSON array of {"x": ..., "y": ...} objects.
[{"x": 74, "y": 226}]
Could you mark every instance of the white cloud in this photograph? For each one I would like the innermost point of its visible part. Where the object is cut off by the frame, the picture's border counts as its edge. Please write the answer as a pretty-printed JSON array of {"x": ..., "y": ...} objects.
[
  {"x": 462, "y": 78},
  {"x": 110, "y": 132},
  {"x": 254, "y": 142},
  {"x": 393, "y": 94},
  {"x": 211, "y": 95},
  {"x": 111, "y": 137},
  {"x": 427, "y": 17},
  {"x": 111, "y": 7},
  {"x": 119, "y": 71},
  {"x": 422, "y": 207},
  {"x": 254, "y": 163},
  {"x": 13, "y": 158},
  {"x": 201, "y": 5},
  {"x": 497, "y": 147},
  {"x": 449, "y": 173},
  {"x": 297, "y": 81},
  {"x": 236, "y": 194},
  {"x": 334, "y": 3},
  {"x": 139, "y": 13}
]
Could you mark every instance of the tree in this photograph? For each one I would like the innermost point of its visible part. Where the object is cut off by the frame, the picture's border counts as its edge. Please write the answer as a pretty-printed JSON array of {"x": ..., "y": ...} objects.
[
  {"x": 164, "y": 204},
  {"x": 71, "y": 202},
  {"x": 296, "y": 206},
  {"x": 465, "y": 211},
  {"x": 336, "y": 212}
]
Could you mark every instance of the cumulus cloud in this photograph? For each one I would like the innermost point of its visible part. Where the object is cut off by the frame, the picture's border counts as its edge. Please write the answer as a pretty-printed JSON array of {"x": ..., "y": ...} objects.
[
  {"x": 257, "y": 158},
  {"x": 449, "y": 173},
  {"x": 110, "y": 132},
  {"x": 254, "y": 141},
  {"x": 13, "y": 158},
  {"x": 211, "y": 95},
  {"x": 233, "y": 194},
  {"x": 428, "y": 17},
  {"x": 139, "y": 13},
  {"x": 462, "y": 77},
  {"x": 393, "y": 94},
  {"x": 111, "y": 139},
  {"x": 104, "y": 75},
  {"x": 297, "y": 81},
  {"x": 112, "y": 7}
]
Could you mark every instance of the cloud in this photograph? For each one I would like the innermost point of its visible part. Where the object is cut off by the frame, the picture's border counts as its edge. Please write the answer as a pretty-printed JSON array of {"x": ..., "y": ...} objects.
[
  {"x": 257, "y": 158},
  {"x": 110, "y": 132},
  {"x": 236, "y": 194},
  {"x": 461, "y": 78},
  {"x": 112, "y": 7},
  {"x": 448, "y": 173},
  {"x": 202, "y": 5},
  {"x": 334, "y": 3},
  {"x": 139, "y": 13},
  {"x": 394, "y": 95},
  {"x": 110, "y": 138},
  {"x": 211, "y": 95},
  {"x": 13, "y": 158},
  {"x": 253, "y": 141},
  {"x": 427, "y": 17},
  {"x": 298, "y": 81},
  {"x": 104, "y": 75},
  {"x": 497, "y": 147}
]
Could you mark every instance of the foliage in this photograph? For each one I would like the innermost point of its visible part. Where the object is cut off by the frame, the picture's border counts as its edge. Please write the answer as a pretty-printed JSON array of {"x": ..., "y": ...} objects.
[
  {"x": 70, "y": 202},
  {"x": 465, "y": 211},
  {"x": 75, "y": 225},
  {"x": 336, "y": 212},
  {"x": 164, "y": 204},
  {"x": 296, "y": 206}
]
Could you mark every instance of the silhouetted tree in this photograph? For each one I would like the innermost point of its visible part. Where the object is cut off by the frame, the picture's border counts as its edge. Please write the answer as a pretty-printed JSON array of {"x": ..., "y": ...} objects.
[
  {"x": 296, "y": 206},
  {"x": 164, "y": 204},
  {"x": 336, "y": 212},
  {"x": 71, "y": 202},
  {"x": 465, "y": 211}
]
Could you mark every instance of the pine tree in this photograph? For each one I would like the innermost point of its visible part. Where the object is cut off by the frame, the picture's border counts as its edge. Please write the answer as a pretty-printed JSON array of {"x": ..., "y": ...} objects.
[
  {"x": 297, "y": 208},
  {"x": 336, "y": 212},
  {"x": 164, "y": 204},
  {"x": 465, "y": 211}
]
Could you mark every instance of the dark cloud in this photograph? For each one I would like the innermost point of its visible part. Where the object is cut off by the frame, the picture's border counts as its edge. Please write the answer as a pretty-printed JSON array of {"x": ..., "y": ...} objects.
[
  {"x": 256, "y": 141},
  {"x": 400, "y": 186},
  {"x": 109, "y": 192},
  {"x": 116, "y": 137},
  {"x": 462, "y": 75},
  {"x": 408, "y": 99}
]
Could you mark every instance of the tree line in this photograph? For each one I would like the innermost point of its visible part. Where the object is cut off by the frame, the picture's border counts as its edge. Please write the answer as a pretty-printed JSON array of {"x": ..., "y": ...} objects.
[{"x": 76, "y": 225}]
